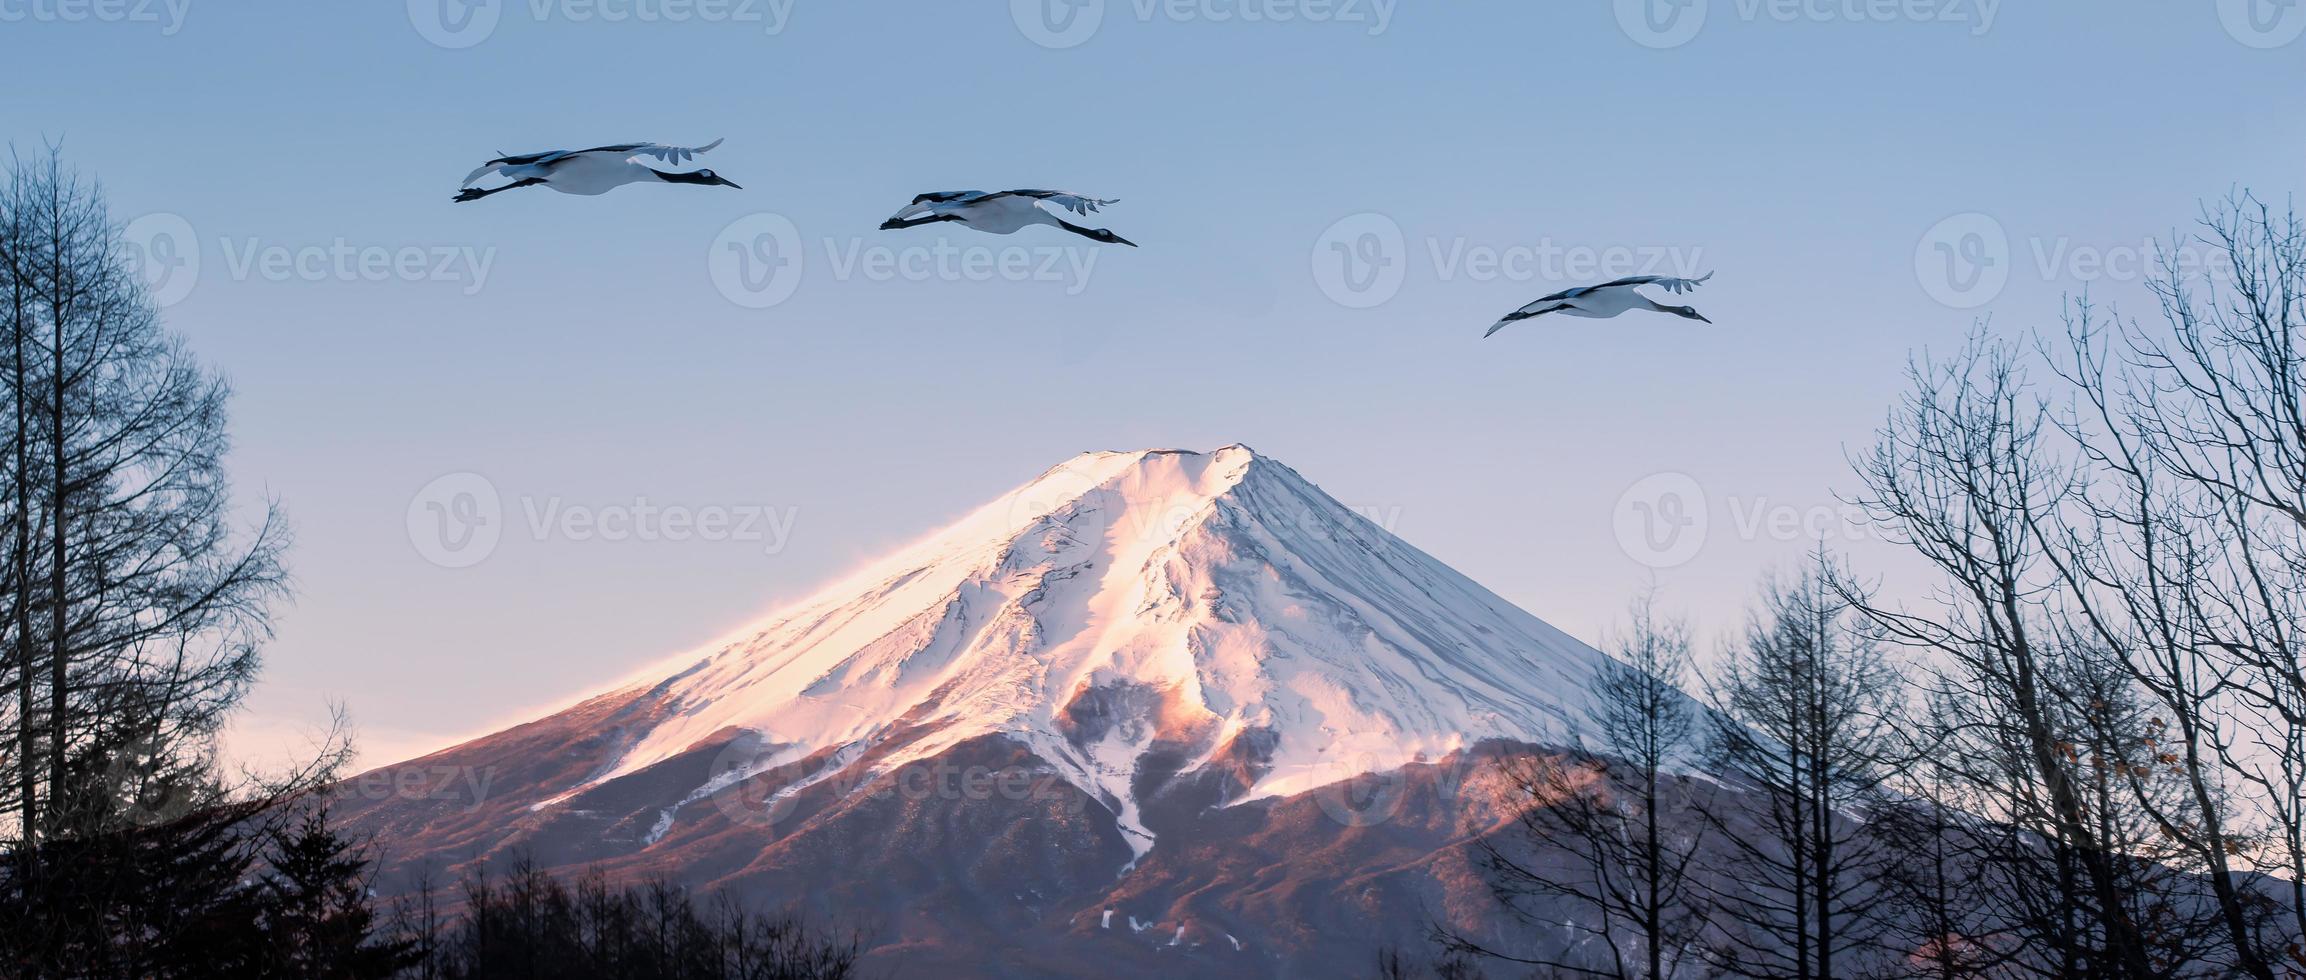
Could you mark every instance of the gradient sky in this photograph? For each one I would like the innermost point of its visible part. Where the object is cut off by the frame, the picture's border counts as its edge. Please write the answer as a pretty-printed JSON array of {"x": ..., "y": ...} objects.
[{"x": 1811, "y": 153}]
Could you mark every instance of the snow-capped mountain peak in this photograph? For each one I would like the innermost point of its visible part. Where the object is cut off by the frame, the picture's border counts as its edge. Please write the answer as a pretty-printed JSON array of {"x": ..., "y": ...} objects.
[{"x": 1215, "y": 604}]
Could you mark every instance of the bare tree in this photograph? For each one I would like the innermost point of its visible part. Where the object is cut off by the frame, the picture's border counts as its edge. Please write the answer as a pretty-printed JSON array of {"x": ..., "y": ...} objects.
[
  {"x": 1605, "y": 829},
  {"x": 1960, "y": 475},
  {"x": 135, "y": 602},
  {"x": 1935, "y": 893},
  {"x": 147, "y": 603},
  {"x": 1805, "y": 713},
  {"x": 2054, "y": 705},
  {"x": 2188, "y": 560},
  {"x": 16, "y": 252}
]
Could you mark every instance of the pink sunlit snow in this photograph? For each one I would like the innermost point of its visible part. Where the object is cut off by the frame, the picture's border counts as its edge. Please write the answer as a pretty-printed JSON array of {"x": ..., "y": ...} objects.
[{"x": 1128, "y": 598}]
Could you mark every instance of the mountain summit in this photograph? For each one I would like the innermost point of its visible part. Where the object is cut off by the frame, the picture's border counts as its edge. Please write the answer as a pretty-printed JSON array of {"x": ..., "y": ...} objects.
[
  {"x": 1214, "y": 604},
  {"x": 1171, "y": 656}
]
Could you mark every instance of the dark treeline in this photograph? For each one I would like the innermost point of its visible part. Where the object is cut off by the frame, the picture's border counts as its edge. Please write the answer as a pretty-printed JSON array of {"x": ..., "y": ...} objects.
[
  {"x": 134, "y": 599},
  {"x": 530, "y": 925},
  {"x": 260, "y": 890},
  {"x": 2083, "y": 755}
]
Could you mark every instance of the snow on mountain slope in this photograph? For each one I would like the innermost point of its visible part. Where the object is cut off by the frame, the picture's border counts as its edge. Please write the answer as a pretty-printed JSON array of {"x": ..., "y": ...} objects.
[{"x": 1214, "y": 604}]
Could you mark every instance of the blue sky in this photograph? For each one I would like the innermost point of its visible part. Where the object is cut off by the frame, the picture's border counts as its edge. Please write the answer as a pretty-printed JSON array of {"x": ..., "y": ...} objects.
[{"x": 849, "y": 390}]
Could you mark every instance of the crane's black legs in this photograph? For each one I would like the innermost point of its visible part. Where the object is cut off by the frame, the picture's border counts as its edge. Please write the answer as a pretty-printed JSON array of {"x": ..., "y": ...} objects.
[
  {"x": 475, "y": 193},
  {"x": 893, "y": 223},
  {"x": 1536, "y": 313}
]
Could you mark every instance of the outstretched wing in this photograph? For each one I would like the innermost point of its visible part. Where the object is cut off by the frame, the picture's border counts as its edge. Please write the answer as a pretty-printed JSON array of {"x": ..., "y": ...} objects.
[
  {"x": 1566, "y": 294},
  {"x": 491, "y": 167},
  {"x": 548, "y": 158},
  {"x": 1668, "y": 283},
  {"x": 1539, "y": 308},
  {"x": 503, "y": 163},
  {"x": 675, "y": 155},
  {"x": 946, "y": 197},
  {"x": 927, "y": 203},
  {"x": 1076, "y": 203}
]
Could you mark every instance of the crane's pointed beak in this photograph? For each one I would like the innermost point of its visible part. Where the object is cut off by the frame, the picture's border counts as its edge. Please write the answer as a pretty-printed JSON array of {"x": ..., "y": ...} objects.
[{"x": 732, "y": 183}]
